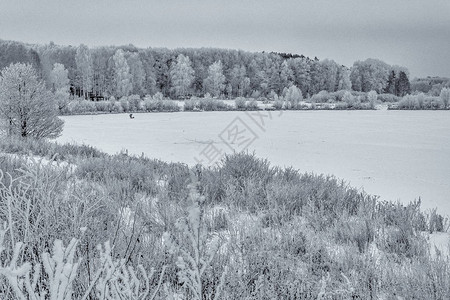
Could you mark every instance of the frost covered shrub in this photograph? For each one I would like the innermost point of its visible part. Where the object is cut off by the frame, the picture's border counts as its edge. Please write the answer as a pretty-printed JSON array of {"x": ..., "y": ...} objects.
[
  {"x": 137, "y": 176},
  {"x": 190, "y": 104},
  {"x": 435, "y": 222},
  {"x": 357, "y": 231},
  {"x": 436, "y": 103},
  {"x": 170, "y": 105},
  {"x": 283, "y": 234},
  {"x": 125, "y": 104},
  {"x": 293, "y": 96},
  {"x": 388, "y": 98},
  {"x": 420, "y": 101},
  {"x": 152, "y": 105},
  {"x": 322, "y": 97},
  {"x": 341, "y": 106},
  {"x": 25, "y": 278},
  {"x": 409, "y": 102},
  {"x": 158, "y": 96},
  {"x": 241, "y": 180},
  {"x": 56, "y": 275},
  {"x": 351, "y": 101},
  {"x": 52, "y": 151},
  {"x": 81, "y": 106},
  {"x": 242, "y": 166},
  {"x": 372, "y": 98},
  {"x": 240, "y": 103},
  {"x": 104, "y": 106},
  {"x": 209, "y": 104},
  {"x": 252, "y": 105},
  {"x": 196, "y": 248},
  {"x": 278, "y": 104},
  {"x": 403, "y": 241},
  {"x": 160, "y": 105},
  {"x": 445, "y": 96},
  {"x": 134, "y": 101},
  {"x": 117, "y": 107}
]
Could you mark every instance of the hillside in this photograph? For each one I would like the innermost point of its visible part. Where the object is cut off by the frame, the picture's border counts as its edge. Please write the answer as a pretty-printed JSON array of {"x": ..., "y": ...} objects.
[{"x": 243, "y": 229}]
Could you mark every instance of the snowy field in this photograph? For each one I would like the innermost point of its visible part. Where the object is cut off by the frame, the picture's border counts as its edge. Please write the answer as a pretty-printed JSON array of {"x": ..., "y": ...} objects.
[{"x": 398, "y": 155}]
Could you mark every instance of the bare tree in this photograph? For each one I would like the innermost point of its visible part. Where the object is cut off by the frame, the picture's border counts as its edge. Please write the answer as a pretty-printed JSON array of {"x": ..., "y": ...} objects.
[{"x": 26, "y": 108}]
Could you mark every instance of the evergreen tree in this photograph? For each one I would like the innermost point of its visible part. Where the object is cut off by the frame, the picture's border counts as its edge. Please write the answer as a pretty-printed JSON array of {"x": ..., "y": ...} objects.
[
  {"x": 402, "y": 86},
  {"x": 390, "y": 86}
]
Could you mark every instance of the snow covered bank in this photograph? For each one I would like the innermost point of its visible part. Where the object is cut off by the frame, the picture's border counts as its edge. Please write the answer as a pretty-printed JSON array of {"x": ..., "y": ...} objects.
[{"x": 399, "y": 155}]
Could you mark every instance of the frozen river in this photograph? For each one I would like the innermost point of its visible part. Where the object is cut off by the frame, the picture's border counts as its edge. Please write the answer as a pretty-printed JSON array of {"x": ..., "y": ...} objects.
[{"x": 398, "y": 155}]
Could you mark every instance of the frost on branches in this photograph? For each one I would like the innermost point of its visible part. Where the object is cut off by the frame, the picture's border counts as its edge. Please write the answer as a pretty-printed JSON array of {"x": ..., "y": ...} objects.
[{"x": 196, "y": 248}]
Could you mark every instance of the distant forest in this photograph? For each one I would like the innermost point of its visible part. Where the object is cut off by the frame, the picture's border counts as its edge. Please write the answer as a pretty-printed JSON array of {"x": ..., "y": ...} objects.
[{"x": 102, "y": 72}]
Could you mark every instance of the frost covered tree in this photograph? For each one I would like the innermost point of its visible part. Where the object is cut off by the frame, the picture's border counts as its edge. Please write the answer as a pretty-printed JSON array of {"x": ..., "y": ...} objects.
[
  {"x": 293, "y": 97},
  {"x": 83, "y": 60},
  {"x": 59, "y": 81},
  {"x": 27, "y": 109},
  {"x": 445, "y": 96},
  {"x": 286, "y": 75},
  {"x": 371, "y": 74},
  {"x": 59, "y": 78},
  {"x": 215, "y": 82},
  {"x": 122, "y": 74},
  {"x": 372, "y": 97},
  {"x": 240, "y": 82},
  {"x": 344, "y": 82},
  {"x": 137, "y": 74},
  {"x": 181, "y": 76},
  {"x": 328, "y": 75}
]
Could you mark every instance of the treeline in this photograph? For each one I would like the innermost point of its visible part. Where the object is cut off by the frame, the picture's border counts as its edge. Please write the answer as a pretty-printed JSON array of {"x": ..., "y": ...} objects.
[
  {"x": 431, "y": 86},
  {"x": 110, "y": 71}
]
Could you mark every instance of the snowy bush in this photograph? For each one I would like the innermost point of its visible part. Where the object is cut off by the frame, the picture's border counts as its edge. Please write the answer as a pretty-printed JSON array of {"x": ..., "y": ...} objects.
[
  {"x": 134, "y": 101},
  {"x": 196, "y": 248},
  {"x": 279, "y": 103},
  {"x": 190, "y": 105},
  {"x": 26, "y": 280},
  {"x": 445, "y": 96},
  {"x": 293, "y": 97},
  {"x": 252, "y": 105},
  {"x": 125, "y": 104},
  {"x": 240, "y": 103},
  {"x": 372, "y": 97}
]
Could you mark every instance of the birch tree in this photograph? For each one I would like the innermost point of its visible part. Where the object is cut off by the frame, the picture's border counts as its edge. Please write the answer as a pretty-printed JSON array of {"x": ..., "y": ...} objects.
[
  {"x": 181, "y": 76},
  {"x": 122, "y": 74},
  {"x": 26, "y": 108},
  {"x": 59, "y": 80},
  {"x": 83, "y": 60},
  {"x": 215, "y": 82}
]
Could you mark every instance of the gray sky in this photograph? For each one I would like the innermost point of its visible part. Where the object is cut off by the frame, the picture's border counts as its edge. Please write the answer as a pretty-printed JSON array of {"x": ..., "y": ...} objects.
[{"x": 410, "y": 33}]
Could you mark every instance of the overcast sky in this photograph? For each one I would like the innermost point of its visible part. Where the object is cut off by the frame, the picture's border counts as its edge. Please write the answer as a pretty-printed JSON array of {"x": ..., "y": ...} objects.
[{"x": 410, "y": 33}]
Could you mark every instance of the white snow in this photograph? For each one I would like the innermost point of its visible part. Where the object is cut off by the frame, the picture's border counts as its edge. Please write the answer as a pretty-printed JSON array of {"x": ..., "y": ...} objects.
[{"x": 399, "y": 155}]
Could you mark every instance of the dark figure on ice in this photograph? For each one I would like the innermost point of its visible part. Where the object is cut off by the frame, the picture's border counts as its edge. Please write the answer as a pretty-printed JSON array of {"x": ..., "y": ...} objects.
[{"x": 131, "y": 116}]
